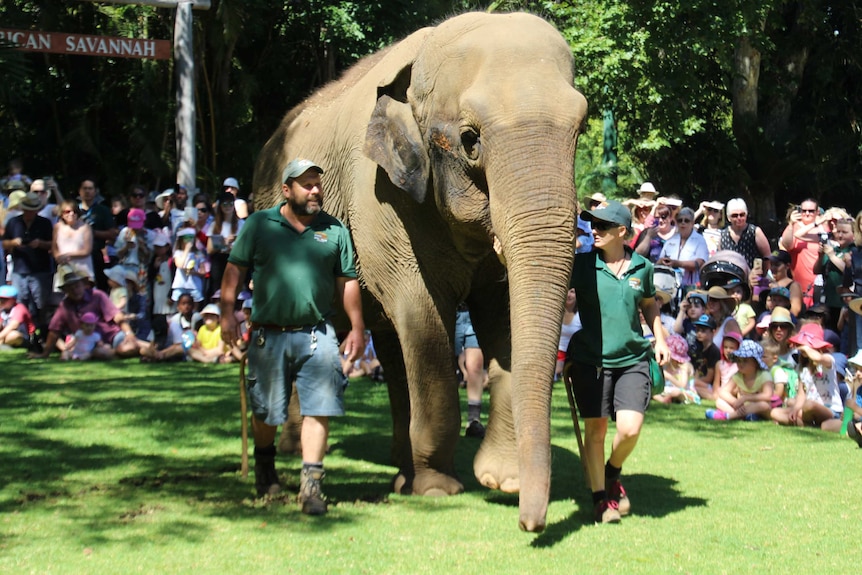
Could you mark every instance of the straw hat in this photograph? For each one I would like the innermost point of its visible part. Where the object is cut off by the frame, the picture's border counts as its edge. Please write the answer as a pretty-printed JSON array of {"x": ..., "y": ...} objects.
[
  {"x": 647, "y": 191},
  {"x": 663, "y": 297}
]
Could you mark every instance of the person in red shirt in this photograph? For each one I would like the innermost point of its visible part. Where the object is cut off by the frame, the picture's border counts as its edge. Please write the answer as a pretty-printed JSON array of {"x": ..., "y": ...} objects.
[{"x": 16, "y": 323}]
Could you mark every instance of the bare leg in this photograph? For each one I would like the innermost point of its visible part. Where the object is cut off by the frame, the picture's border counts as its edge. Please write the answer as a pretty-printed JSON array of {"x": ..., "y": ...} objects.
[
  {"x": 595, "y": 430},
  {"x": 629, "y": 425}
]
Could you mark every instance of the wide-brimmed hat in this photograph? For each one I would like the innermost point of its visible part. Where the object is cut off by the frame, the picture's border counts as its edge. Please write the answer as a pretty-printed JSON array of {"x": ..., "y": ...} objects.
[
  {"x": 14, "y": 201},
  {"x": 705, "y": 321},
  {"x": 647, "y": 189},
  {"x": 297, "y": 167},
  {"x": 750, "y": 348},
  {"x": 856, "y": 360},
  {"x": 780, "y": 315},
  {"x": 678, "y": 347},
  {"x": 718, "y": 292},
  {"x": 70, "y": 276},
  {"x": 839, "y": 360},
  {"x": 160, "y": 199},
  {"x": 810, "y": 334},
  {"x": 121, "y": 275},
  {"x": 613, "y": 212},
  {"x": 763, "y": 324},
  {"x": 814, "y": 311},
  {"x": 845, "y": 292},
  {"x": 30, "y": 202},
  {"x": 598, "y": 197},
  {"x": 855, "y": 305},
  {"x": 663, "y": 297}
]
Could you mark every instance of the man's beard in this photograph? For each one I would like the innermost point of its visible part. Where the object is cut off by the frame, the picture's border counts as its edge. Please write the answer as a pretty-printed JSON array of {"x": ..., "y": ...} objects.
[{"x": 304, "y": 209}]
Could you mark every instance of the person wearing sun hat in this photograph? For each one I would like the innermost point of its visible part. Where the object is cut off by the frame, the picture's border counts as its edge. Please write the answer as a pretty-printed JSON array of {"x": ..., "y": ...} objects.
[
  {"x": 712, "y": 221},
  {"x": 28, "y": 239},
  {"x": 720, "y": 306},
  {"x": 678, "y": 372},
  {"x": 819, "y": 401},
  {"x": 16, "y": 324},
  {"x": 705, "y": 356},
  {"x": 749, "y": 392},
  {"x": 208, "y": 346},
  {"x": 609, "y": 357}
]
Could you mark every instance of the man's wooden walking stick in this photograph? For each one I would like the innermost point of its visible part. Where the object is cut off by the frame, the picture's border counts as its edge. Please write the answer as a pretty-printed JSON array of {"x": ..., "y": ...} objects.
[{"x": 243, "y": 409}]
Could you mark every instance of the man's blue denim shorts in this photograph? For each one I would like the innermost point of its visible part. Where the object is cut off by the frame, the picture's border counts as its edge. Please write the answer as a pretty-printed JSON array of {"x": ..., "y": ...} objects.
[{"x": 309, "y": 357}]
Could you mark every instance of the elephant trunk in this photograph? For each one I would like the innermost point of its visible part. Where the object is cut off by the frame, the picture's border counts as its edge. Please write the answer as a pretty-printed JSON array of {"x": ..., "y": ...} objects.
[{"x": 537, "y": 238}]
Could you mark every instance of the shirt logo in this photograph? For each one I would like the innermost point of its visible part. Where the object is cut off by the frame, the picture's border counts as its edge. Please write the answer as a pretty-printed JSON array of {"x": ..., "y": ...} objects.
[
  {"x": 635, "y": 284},
  {"x": 320, "y": 237}
]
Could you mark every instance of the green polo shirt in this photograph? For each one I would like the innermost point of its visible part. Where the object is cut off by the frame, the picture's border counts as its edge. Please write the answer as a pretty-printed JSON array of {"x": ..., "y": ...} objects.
[
  {"x": 608, "y": 306},
  {"x": 294, "y": 273}
]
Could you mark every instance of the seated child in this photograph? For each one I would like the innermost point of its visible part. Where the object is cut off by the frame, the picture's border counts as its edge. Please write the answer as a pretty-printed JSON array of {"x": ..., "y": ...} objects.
[
  {"x": 85, "y": 341},
  {"x": 678, "y": 374},
  {"x": 705, "y": 358},
  {"x": 726, "y": 367},
  {"x": 208, "y": 346},
  {"x": 784, "y": 375},
  {"x": 744, "y": 313},
  {"x": 750, "y": 390},
  {"x": 818, "y": 400}
]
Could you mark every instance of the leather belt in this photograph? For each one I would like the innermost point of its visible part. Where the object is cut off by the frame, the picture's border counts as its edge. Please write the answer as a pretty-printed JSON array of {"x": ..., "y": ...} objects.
[{"x": 281, "y": 328}]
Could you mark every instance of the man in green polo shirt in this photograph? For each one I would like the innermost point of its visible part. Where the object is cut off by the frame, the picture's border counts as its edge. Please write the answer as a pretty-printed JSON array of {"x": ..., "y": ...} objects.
[
  {"x": 609, "y": 357},
  {"x": 303, "y": 260}
]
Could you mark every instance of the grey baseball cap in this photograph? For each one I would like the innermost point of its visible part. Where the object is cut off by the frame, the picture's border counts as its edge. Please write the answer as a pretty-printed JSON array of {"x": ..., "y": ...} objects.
[{"x": 297, "y": 167}]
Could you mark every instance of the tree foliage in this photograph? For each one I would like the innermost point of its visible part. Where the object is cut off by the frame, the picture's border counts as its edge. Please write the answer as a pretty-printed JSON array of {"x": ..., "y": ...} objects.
[{"x": 758, "y": 98}]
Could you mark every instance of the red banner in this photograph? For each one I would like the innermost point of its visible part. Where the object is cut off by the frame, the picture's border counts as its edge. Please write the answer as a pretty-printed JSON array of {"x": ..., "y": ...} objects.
[{"x": 85, "y": 45}]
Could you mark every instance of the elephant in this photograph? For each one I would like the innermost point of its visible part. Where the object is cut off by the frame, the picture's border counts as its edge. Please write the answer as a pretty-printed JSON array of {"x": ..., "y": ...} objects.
[{"x": 450, "y": 157}]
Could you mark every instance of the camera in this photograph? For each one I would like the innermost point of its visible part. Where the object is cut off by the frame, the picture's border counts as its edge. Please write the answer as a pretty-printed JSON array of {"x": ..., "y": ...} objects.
[{"x": 824, "y": 238}]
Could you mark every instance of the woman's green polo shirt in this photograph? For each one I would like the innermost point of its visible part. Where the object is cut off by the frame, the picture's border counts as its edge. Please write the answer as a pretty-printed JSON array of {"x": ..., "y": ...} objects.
[{"x": 608, "y": 306}]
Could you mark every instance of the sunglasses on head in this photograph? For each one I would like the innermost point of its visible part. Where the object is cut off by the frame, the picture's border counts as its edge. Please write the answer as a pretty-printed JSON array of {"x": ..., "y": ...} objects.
[
  {"x": 604, "y": 226},
  {"x": 696, "y": 302}
]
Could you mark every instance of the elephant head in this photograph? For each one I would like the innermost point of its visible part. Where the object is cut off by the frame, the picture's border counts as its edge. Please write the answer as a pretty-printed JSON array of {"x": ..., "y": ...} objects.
[{"x": 484, "y": 123}]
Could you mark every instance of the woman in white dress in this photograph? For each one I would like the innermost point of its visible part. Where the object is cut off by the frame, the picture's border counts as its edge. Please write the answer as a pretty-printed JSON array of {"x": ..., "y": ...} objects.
[{"x": 72, "y": 243}]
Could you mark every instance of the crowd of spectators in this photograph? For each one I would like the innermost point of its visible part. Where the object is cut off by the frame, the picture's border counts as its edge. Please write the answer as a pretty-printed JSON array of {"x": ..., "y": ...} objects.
[
  {"x": 136, "y": 277},
  {"x": 776, "y": 335}
]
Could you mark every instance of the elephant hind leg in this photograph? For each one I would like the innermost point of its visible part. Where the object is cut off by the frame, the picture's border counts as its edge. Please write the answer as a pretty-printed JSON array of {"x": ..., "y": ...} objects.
[{"x": 496, "y": 463}]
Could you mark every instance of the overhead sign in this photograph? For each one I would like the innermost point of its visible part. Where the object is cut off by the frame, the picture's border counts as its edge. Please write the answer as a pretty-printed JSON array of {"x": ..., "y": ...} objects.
[{"x": 85, "y": 45}]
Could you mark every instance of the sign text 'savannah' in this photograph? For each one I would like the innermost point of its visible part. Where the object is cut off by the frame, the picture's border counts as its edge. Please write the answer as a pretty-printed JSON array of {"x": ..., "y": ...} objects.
[{"x": 87, "y": 45}]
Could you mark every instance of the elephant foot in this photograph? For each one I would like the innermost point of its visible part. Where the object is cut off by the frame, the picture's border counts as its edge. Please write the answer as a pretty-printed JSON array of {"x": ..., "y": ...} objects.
[
  {"x": 497, "y": 470},
  {"x": 429, "y": 483}
]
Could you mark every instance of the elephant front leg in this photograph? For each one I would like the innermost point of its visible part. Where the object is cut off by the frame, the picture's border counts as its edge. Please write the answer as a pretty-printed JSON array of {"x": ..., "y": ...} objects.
[
  {"x": 496, "y": 462},
  {"x": 435, "y": 417}
]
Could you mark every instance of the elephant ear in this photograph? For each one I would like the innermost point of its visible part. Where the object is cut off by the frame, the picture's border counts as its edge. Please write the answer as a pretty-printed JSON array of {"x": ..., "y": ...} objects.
[{"x": 394, "y": 142}]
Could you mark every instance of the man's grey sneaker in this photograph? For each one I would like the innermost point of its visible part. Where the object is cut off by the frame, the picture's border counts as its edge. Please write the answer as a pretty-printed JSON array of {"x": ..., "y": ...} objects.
[
  {"x": 310, "y": 495},
  {"x": 475, "y": 429}
]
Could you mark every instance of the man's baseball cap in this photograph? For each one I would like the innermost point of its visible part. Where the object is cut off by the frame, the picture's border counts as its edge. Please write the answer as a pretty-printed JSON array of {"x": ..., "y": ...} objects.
[
  {"x": 231, "y": 182},
  {"x": 297, "y": 167},
  {"x": 613, "y": 212}
]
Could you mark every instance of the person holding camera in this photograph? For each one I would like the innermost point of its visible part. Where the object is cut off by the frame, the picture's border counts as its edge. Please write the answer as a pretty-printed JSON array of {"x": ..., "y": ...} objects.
[
  {"x": 801, "y": 239},
  {"x": 834, "y": 259}
]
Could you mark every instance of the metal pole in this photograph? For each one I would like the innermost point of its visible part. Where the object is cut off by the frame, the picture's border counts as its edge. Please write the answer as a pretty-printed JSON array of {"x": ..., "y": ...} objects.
[{"x": 185, "y": 70}]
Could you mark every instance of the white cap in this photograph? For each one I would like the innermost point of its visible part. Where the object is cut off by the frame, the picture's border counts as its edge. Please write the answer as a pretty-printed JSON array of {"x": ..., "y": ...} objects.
[{"x": 211, "y": 309}]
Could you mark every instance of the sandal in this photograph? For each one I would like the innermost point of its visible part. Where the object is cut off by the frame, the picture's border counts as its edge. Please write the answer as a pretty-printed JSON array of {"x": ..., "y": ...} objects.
[{"x": 854, "y": 434}]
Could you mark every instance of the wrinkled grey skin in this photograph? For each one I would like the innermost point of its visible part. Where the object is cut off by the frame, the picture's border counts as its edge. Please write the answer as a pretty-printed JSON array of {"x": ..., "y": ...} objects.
[{"x": 432, "y": 148}]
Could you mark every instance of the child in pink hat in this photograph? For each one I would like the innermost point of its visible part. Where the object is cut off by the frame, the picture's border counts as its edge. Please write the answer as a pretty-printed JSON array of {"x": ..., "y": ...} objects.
[
  {"x": 80, "y": 346},
  {"x": 678, "y": 374}
]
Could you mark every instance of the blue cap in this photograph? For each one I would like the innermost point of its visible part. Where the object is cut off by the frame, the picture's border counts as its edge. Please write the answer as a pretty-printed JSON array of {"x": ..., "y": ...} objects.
[
  {"x": 8, "y": 292},
  {"x": 705, "y": 321}
]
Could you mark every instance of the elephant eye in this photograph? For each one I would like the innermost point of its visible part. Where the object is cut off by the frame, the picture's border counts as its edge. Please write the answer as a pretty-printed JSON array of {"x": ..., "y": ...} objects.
[{"x": 470, "y": 142}]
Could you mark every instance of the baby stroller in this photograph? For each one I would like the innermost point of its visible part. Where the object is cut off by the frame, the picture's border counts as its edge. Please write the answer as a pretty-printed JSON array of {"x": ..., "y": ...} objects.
[
  {"x": 668, "y": 280},
  {"x": 726, "y": 269}
]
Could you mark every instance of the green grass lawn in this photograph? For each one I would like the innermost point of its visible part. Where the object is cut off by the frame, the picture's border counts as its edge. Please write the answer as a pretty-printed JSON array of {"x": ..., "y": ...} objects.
[{"x": 130, "y": 468}]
